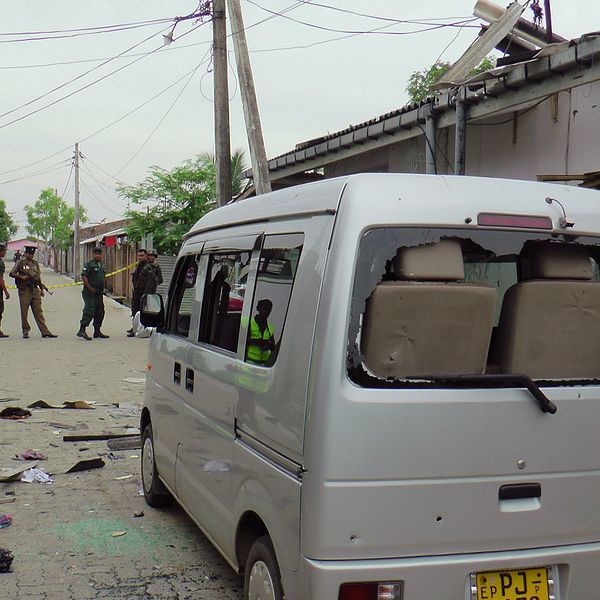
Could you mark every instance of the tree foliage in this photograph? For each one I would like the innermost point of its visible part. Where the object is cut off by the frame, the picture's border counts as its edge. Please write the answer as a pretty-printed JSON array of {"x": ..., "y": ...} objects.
[
  {"x": 51, "y": 219},
  {"x": 177, "y": 199},
  {"x": 8, "y": 227},
  {"x": 420, "y": 82}
]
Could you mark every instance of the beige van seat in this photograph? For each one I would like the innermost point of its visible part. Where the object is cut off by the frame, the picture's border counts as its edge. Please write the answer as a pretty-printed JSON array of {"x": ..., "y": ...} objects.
[
  {"x": 428, "y": 321},
  {"x": 549, "y": 326}
]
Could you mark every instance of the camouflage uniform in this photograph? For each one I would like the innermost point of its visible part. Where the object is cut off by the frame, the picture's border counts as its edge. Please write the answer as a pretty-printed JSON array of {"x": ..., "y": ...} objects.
[
  {"x": 30, "y": 295},
  {"x": 2, "y": 270}
]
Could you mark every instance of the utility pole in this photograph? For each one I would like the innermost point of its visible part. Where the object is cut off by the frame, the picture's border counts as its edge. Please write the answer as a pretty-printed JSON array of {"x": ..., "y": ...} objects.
[
  {"x": 258, "y": 155},
  {"x": 221, "y": 106},
  {"x": 76, "y": 264},
  {"x": 548, "y": 11}
]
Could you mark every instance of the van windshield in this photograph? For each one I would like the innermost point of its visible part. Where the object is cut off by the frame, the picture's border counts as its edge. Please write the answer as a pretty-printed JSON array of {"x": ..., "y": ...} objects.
[{"x": 431, "y": 303}]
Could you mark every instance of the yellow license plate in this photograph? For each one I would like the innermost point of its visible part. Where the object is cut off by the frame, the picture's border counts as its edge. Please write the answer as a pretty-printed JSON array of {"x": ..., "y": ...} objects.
[{"x": 522, "y": 584}]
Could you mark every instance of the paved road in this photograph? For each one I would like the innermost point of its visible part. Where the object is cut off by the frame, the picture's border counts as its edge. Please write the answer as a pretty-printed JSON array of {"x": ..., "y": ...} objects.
[{"x": 62, "y": 534}]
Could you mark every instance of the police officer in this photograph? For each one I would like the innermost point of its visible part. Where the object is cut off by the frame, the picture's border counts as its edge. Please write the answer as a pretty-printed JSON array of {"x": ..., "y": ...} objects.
[
  {"x": 28, "y": 277},
  {"x": 143, "y": 280},
  {"x": 3, "y": 289},
  {"x": 156, "y": 271},
  {"x": 93, "y": 275},
  {"x": 261, "y": 343}
]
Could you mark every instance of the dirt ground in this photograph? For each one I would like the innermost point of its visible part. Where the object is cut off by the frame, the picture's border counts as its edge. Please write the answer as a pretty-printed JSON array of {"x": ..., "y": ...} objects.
[{"x": 79, "y": 537}]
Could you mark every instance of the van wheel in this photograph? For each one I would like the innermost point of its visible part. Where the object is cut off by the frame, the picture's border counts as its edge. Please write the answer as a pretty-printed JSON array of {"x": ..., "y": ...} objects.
[
  {"x": 262, "y": 580},
  {"x": 155, "y": 492}
]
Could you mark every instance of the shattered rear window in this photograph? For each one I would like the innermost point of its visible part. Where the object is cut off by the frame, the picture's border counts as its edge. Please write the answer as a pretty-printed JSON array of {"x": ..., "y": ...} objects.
[{"x": 447, "y": 318}]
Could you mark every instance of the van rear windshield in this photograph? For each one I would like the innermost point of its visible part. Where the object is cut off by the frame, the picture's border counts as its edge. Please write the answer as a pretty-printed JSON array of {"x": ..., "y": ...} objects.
[{"x": 439, "y": 303}]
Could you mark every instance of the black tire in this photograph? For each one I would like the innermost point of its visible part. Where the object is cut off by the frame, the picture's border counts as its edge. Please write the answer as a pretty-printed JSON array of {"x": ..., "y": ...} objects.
[
  {"x": 155, "y": 493},
  {"x": 262, "y": 570}
]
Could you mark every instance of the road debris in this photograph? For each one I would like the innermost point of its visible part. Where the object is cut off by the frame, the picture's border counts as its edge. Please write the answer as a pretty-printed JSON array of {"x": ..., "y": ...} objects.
[
  {"x": 95, "y": 437},
  {"x": 5, "y": 520},
  {"x": 9, "y": 473},
  {"x": 135, "y": 379},
  {"x": 31, "y": 455},
  {"x": 6, "y": 558},
  {"x": 85, "y": 465},
  {"x": 138, "y": 514},
  {"x": 14, "y": 412},
  {"x": 7, "y": 500},
  {"x": 118, "y": 533},
  {"x": 40, "y": 475},
  {"x": 123, "y": 477},
  {"x": 129, "y": 443},
  {"x": 80, "y": 404}
]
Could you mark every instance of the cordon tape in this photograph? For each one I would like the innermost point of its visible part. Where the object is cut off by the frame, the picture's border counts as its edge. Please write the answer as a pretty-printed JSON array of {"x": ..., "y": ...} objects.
[{"x": 64, "y": 285}]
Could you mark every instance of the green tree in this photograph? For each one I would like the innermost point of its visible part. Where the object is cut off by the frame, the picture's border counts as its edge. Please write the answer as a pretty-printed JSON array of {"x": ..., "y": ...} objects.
[
  {"x": 176, "y": 199},
  {"x": 420, "y": 82},
  {"x": 8, "y": 227},
  {"x": 51, "y": 219}
]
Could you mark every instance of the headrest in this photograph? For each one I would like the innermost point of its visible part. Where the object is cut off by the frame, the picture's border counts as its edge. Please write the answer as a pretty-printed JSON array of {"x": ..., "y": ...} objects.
[
  {"x": 441, "y": 261},
  {"x": 548, "y": 260}
]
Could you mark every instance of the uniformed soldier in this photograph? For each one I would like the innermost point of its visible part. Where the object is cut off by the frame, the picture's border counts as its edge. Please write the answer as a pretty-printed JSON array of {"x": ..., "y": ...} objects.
[
  {"x": 28, "y": 277},
  {"x": 156, "y": 271},
  {"x": 142, "y": 279},
  {"x": 93, "y": 275},
  {"x": 3, "y": 289}
]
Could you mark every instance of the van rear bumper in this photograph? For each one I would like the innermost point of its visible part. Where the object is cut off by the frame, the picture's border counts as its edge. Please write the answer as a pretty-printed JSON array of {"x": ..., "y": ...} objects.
[{"x": 448, "y": 577}]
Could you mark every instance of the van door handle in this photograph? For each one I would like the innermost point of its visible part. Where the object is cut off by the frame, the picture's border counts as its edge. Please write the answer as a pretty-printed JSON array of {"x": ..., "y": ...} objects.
[
  {"x": 177, "y": 373},
  {"x": 189, "y": 380},
  {"x": 519, "y": 491}
]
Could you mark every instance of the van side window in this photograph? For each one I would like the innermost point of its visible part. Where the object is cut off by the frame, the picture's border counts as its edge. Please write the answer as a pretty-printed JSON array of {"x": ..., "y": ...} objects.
[
  {"x": 277, "y": 268},
  {"x": 183, "y": 296},
  {"x": 224, "y": 299}
]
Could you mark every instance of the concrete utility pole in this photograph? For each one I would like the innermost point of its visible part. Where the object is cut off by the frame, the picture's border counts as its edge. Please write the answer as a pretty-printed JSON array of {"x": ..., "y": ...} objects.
[
  {"x": 221, "y": 107},
  {"x": 258, "y": 155},
  {"x": 76, "y": 263}
]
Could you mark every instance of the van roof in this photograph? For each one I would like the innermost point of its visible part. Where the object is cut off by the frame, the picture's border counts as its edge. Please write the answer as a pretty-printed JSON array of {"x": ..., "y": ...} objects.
[{"x": 446, "y": 196}]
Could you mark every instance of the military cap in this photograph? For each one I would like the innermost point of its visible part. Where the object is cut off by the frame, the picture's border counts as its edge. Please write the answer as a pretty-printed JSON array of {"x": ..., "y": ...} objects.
[
  {"x": 152, "y": 253},
  {"x": 30, "y": 249},
  {"x": 98, "y": 249},
  {"x": 2, "y": 246}
]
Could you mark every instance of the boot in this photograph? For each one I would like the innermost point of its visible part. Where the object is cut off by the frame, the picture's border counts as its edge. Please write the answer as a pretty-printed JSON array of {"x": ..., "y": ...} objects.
[
  {"x": 3, "y": 335},
  {"x": 82, "y": 334},
  {"x": 99, "y": 334}
]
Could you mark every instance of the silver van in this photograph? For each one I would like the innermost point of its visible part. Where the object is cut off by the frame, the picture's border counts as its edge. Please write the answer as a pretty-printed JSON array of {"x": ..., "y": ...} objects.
[{"x": 386, "y": 387}]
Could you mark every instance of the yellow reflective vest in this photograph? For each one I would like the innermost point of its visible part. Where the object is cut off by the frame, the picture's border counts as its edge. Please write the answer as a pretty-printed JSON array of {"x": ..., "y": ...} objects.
[{"x": 255, "y": 354}]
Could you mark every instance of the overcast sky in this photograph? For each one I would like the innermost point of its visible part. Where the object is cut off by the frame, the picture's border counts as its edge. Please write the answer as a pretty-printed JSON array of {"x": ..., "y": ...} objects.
[{"x": 310, "y": 80}]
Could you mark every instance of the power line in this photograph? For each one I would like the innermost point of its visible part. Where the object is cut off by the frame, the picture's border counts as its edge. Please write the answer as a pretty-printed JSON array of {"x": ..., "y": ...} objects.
[
  {"x": 99, "y": 27},
  {"x": 68, "y": 181},
  {"x": 35, "y": 174},
  {"x": 432, "y": 27},
  {"x": 85, "y": 185},
  {"x": 80, "y": 76},
  {"x": 159, "y": 123}
]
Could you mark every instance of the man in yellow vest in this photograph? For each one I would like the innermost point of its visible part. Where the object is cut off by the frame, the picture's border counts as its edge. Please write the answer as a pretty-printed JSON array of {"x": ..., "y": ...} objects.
[{"x": 262, "y": 335}]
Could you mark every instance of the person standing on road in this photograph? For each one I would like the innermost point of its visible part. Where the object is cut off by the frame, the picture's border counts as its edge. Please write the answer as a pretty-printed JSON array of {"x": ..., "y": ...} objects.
[
  {"x": 28, "y": 278},
  {"x": 156, "y": 271},
  {"x": 17, "y": 256},
  {"x": 3, "y": 289},
  {"x": 93, "y": 275},
  {"x": 142, "y": 278}
]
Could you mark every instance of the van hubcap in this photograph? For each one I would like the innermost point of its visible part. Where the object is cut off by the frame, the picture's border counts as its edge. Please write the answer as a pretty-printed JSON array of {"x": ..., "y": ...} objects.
[
  {"x": 147, "y": 464},
  {"x": 260, "y": 585}
]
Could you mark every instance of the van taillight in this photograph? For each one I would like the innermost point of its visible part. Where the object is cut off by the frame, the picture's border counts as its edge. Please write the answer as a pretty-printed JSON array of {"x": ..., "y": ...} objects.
[{"x": 371, "y": 591}]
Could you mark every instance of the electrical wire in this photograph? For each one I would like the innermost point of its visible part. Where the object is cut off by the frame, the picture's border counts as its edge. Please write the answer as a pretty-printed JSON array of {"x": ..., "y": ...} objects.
[
  {"x": 71, "y": 35},
  {"x": 331, "y": 29},
  {"x": 80, "y": 76},
  {"x": 69, "y": 95},
  {"x": 431, "y": 21},
  {"x": 78, "y": 29},
  {"x": 68, "y": 181},
  {"x": 159, "y": 123},
  {"x": 518, "y": 114},
  {"x": 35, "y": 174},
  {"x": 85, "y": 185}
]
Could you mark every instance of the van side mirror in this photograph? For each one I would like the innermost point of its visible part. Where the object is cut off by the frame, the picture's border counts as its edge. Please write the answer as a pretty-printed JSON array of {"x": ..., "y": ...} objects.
[{"x": 153, "y": 311}]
